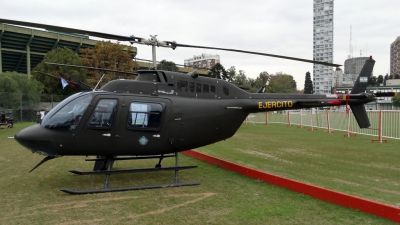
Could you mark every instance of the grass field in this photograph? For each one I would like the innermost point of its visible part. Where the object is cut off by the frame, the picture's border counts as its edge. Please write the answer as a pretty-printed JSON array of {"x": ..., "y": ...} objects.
[
  {"x": 223, "y": 197},
  {"x": 352, "y": 165}
]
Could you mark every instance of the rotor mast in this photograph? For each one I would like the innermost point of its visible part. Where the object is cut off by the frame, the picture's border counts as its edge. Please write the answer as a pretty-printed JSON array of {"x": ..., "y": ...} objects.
[{"x": 154, "y": 42}]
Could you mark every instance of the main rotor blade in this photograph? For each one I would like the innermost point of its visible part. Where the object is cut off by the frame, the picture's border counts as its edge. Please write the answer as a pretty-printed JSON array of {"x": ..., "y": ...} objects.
[
  {"x": 139, "y": 40},
  {"x": 68, "y": 30},
  {"x": 259, "y": 53},
  {"x": 88, "y": 67}
]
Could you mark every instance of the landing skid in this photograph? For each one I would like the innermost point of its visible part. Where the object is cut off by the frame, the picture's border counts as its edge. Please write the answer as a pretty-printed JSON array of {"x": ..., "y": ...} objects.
[
  {"x": 106, "y": 168},
  {"x": 104, "y": 190}
]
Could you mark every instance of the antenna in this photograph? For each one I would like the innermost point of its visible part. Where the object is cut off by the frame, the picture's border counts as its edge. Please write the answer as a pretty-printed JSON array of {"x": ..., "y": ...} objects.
[
  {"x": 350, "y": 47},
  {"x": 99, "y": 82}
]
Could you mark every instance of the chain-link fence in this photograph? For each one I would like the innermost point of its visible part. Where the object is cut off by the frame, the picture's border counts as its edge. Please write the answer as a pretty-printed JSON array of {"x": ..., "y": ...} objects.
[{"x": 24, "y": 107}]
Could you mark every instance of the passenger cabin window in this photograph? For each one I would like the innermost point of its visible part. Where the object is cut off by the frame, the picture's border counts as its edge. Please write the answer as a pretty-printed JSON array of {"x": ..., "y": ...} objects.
[
  {"x": 182, "y": 86},
  {"x": 226, "y": 91},
  {"x": 144, "y": 116},
  {"x": 198, "y": 87},
  {"x": 206, "y": 88},
  {"x": 213, "y": 89},
  {"x": 191, "y": 86},
  {"x": 103, "y": 115}
]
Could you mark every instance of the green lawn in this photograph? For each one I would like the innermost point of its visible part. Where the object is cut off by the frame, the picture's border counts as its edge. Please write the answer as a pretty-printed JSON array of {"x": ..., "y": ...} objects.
[
  {"x": 352, "y": 165},
  {"x": 223, "y": 197}
]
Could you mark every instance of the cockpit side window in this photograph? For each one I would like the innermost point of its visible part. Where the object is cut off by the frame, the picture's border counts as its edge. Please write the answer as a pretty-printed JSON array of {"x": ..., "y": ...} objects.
[
  {"x": 66, "y": 117},
  {"x": 103, "y": 115}
]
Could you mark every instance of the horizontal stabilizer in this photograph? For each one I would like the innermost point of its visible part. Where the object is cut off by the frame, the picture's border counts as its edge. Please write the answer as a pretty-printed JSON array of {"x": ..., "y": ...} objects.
[
  {"x": 386, "y": 94},
  {"x": 360, "y": 114}
]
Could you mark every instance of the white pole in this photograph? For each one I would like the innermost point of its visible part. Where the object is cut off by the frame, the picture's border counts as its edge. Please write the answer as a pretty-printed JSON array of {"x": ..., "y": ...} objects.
[{"x": 348, "y": 123}]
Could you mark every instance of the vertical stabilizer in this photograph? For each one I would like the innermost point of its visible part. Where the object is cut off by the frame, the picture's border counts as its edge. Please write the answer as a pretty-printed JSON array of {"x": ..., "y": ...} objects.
[
  {"x": 362, "y": 81},
  {"x": 360, "y": 86}
]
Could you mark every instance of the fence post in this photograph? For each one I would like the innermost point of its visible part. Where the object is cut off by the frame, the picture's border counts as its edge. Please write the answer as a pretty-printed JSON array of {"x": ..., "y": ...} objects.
[
  {"x": 312, "y": 126},
  {"x": 266, "y": 118},
  {"x": 349, "y": 134},
  {"x": 20, "y": 103},
  {"x": 289, "y": 124},
  {"x": 301, "y": 119},
  {"x": 328, "y": 123},
  {"x": 379, "y": 129}
]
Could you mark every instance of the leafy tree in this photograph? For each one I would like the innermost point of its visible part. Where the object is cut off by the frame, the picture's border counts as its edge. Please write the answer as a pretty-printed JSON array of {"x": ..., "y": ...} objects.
[
  {"x": 396, "y": 101},
  {"x": 372, "y": 81},
  {"x": 390, "y": 76},
  {"x": 240, "y": 79},
  {"x": 386, "y": 78},
  {"x": 282, "y": 84},
  {"x": 107, "y": 55},
  {"x": 12, "y": 83},
  {"x": 167, "y": 65},
  {"x": 231, "y": 73},
  {"x": 397, "y": 76},
  {"x": 264, "y": 76},
  {"x": 308, "y": 86},
  {"x": 62, "y": 56},
  {"x": 218, "y": 71},
  {"x": 380, "y": 79},
  {"x": 256, "y": 84}
]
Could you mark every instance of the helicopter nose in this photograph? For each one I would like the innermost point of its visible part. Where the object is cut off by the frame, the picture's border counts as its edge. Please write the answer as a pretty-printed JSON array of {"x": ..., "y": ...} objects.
[{"x": 35, "y": 138}]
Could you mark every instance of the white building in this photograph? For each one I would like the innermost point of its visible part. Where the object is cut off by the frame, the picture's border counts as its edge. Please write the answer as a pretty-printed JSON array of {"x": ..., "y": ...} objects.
[
  {"x": 323, "y": 46},
  {"x": 341, "y": 80},
  {"x": 203, "y": 61}
]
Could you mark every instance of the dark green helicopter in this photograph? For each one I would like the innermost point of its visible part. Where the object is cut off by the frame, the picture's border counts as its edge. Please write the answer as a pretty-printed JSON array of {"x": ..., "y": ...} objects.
[{"x": 162, "y": 113}]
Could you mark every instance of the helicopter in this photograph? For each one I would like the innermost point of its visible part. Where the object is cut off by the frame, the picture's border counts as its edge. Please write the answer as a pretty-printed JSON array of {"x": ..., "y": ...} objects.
[{"x": 162, "y": 113}]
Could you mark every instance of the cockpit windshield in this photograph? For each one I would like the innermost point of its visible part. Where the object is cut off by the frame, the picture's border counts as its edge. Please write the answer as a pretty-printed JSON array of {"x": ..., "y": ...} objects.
[{"x": 67, "y": 114}]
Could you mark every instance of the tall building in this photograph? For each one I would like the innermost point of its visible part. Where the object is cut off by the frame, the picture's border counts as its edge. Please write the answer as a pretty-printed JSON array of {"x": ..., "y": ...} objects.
[
  {"x": 395, "y": 57},
  {"x": 354, "y": 65},
  {"x": 323, "y": 45},
  {"x": 203, "y": 61}
]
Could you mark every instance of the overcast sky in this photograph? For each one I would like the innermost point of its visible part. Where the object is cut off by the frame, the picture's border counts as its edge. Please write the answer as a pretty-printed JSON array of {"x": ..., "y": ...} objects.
[{"x": 277, "y": 27}]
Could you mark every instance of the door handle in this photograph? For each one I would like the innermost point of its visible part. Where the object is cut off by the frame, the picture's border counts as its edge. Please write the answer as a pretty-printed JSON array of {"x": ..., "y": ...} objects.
[{"x": 106, "y": 135}]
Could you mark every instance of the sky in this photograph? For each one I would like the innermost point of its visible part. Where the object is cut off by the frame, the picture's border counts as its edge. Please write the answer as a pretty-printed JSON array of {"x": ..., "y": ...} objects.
[{"x": 275, "y": 27}]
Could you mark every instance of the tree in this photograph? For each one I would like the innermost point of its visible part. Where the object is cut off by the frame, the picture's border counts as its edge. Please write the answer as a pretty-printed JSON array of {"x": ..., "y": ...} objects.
[
  {"x": 108, "y": 55},
  {"x": 384, "y": 80},
  {"x": 282, "y": 84},
  {"x": 308, "y": 86},
  {"x": 380, "y": 79},
  {"x": 167, "y": 65},
  {"x": 219, "y": 72},
  {"x": 231, "y": 73},
  {"x": 396, "y": 101},
  {"x": 372, "y": 81},
  {"x": 62, "y": 56},
  {"x": 240, "y": 79},
  {"x": 397, "y": 76},
  {"x": 256, "y": 84},
  {"x": 13, "y": 83}
]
